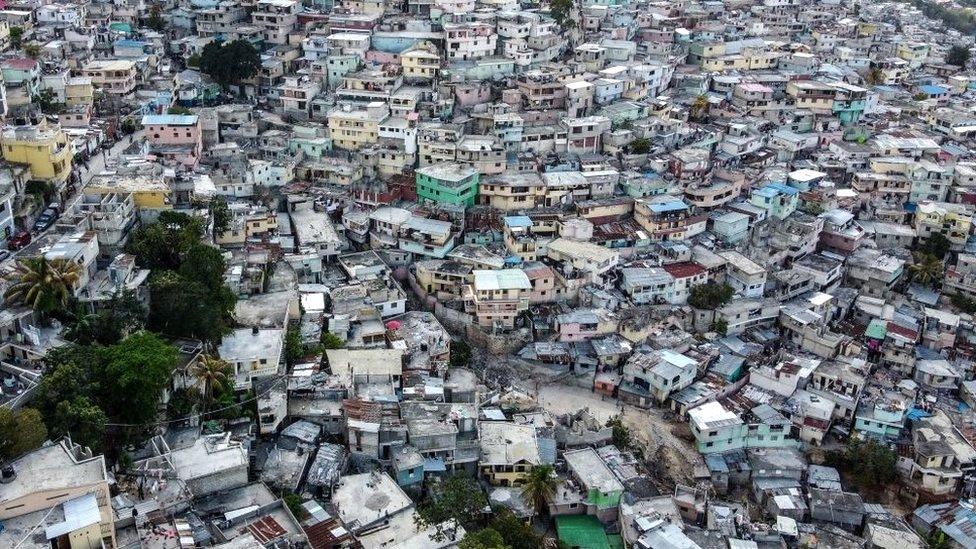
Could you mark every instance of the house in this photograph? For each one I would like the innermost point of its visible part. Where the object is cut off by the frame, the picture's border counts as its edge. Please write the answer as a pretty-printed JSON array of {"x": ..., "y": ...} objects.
[
  {"x": 718, "y": 429},
  {"x": 509, "y": 451},
  {"x": 59, "y": 493},
  {"x": 252, "y": 353},
  {"x": 599, "y": 487}
]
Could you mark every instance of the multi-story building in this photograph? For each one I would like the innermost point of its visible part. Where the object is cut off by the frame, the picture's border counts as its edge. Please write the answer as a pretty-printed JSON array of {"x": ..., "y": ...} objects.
[
  {"x": 44, "y": 149},
  {"x": 112, "y": 76},
  {"x": 953, "y": 221},
  {"x": 276, "y": 19},
  {"x": 718, "y": 429},
  {"x": 497, "y": 298},
  {"x": 668, "y": 218},
  {"x": 449, "y": 183},
  {"x": 353, "y": 127},
  {"x": 62, "y": 490}
]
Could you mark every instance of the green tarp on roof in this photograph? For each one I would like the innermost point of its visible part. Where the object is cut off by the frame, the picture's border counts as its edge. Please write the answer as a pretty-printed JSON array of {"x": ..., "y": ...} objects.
[{"x": 582, "y": 532}]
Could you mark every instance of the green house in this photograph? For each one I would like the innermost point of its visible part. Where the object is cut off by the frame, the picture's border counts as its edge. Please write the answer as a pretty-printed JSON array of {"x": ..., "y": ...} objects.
[{"x": 448, "y": 183}]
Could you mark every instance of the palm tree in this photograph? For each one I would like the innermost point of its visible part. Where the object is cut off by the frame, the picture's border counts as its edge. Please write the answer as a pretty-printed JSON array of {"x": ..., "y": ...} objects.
[
  {"x": 80, "y": 328},
  {"x": 210, "y": 370},
  {"x": 926, "y": 269},
  {"x": 540, "y": 487},
  {"x": 42, "y": 284}
]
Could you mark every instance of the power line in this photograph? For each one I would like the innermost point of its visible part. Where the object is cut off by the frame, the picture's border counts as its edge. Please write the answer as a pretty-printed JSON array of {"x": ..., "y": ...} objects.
[
  {"x": 36, "y": 526},
  {"x": 193, "y": 416}
]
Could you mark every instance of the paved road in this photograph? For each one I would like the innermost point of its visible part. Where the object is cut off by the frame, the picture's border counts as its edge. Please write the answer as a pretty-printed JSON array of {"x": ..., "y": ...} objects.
[{"x": 96, "y": 164}]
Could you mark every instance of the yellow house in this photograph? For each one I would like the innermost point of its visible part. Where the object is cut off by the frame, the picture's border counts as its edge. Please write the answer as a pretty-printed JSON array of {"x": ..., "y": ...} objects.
[
  {"x": 352, "y": 127},
  {"x": 420, "y": 63},
  {"x": 509, "y": 452},
  {"x": 954, "y": 221},
  {"x": 44, "y": 149},
  {"x": 79, "y": 91},
  {"x": 247, "y": 226},
  {"x": 148, "y": 191}
]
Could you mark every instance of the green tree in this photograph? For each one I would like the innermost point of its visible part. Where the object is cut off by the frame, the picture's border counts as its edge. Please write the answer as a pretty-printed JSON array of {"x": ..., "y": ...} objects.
[
  {"x": 516, "y": 533},
  {"x": 183, "y": 403},
  {"x": 621, "y": 434},
  {"x": 721, "y": 327},
  {"x": 16, "y": 37},
  {"x": 212, "y": 371},
  {"x": 938, "y": 540},
  {"x": 459, "y": 501},
  {"x": 872, "y": 463},
  {"x": 32, "y": 50},
  {"x": 20, "y": 432},
  {"x": 460, "y": 354},
  {"x": 936, "y": 245},
  {"x": 958, "y": 55},
  {"x": 641, "y": 145},
  {"x": 926, "y": 269},
  {"x": 562, "y": 12},
  {"x": 963, "y": 303},
  {"x": 221, "y": 215},
  {"x": 45, "y": 101},
  {"x": 160, "y": 245},
  {"x": 187, "y": 308},
  {"x": 332, "y": 341},
  {"x": 294, "y": 349},
  {"x": 194, "y": 61},
  {"x": 539, "y": 488},
  {"x": 230, "y": 64},
  {"x": 44, "y": 285},
  {"x": 155, "y": 20},
  {"x": 294, "y": 503},
  {"x": 176, "y": 109},
  {"x": 489, "y": 538},
  {"x": 138, "y": 369},
  {"x": 81, "y": 418},
  {"x": 710, "y": 295},
  {"x": 66, "y": 395}
]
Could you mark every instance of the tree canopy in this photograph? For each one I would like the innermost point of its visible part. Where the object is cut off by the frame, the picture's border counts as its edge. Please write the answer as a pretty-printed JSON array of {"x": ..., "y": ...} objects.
[
  {"x": 710, "y": 295},
  {"x": 936, "y": 245},
  {"x": 958, "y": 55},
  {"x": 231, "y": 63},
  {"x": 459, "y": 501},
  {"x": 187, "y": 286},
  {"x": 90, "y": 385},
  {"x": 20, "y": 432},
  {"x": 489, "y": 538}
]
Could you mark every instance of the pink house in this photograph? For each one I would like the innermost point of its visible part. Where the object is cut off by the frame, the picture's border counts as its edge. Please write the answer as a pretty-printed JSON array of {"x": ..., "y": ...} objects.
[{"x": 174, "y": 137}]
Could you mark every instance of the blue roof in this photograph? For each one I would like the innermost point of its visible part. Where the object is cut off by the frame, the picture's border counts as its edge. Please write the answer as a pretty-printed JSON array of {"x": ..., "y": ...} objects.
[
  {"x": 933, "y": 90},
  {"x": 170, "y": 119},
  {"x": 916, "y": 413},
  {"x": 518, "y": 221},
  {"x": 130, "y": 43},
  {"x": 773, "y": 189},
  {"x": 670, "y": 206},
  {"x": 434, "y": 465}
]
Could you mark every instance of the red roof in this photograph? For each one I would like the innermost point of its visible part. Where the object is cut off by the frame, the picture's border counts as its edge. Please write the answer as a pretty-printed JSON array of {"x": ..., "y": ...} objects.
[
  {"x": 902, "y": 331},
  {"x": 684, "y": 270},
  {"x": 23, "y": 63}
]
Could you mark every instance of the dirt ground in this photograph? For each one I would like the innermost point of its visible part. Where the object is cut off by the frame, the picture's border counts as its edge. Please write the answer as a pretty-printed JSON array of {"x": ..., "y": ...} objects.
[{"x": 670, "y": 459}]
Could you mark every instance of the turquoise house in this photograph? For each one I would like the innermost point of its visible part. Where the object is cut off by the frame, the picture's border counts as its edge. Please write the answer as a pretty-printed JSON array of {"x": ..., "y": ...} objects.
[
  {"x": 777, "y": 199},
  {"x": 448, "y": 183}
]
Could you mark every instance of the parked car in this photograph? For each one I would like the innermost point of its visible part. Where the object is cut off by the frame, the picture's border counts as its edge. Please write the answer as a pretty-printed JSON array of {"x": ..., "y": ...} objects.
[
  {"x": 4, "y": 254},
  {"x": 45, "y": 220},
  {"x": 19, "y": 240}
]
